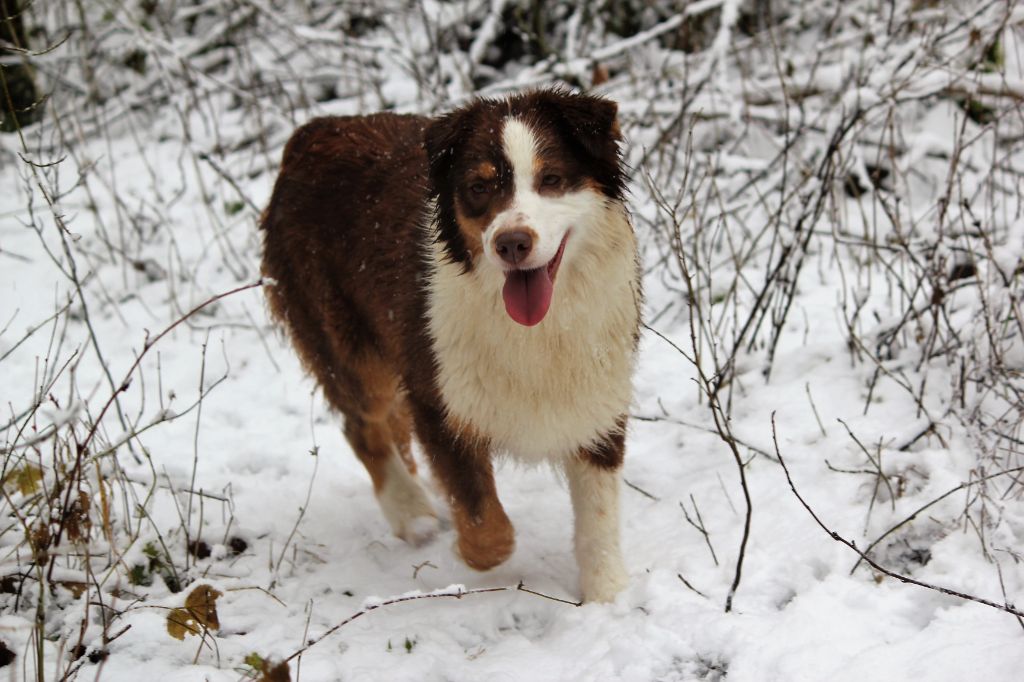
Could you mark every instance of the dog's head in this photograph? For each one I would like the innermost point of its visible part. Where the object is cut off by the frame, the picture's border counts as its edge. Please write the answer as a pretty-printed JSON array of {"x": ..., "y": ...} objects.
[{"x": 519, "y": 183}]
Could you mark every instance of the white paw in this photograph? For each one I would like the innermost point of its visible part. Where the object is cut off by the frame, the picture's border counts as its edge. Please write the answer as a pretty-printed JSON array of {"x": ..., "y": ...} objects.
[
  {"x": 407, "y": 508},
  {"x": 420, "y": 530},
  {"x": 604, "y": 581}
]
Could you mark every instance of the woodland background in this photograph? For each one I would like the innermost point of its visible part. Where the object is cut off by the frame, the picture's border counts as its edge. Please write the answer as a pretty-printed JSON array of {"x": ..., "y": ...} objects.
[{"x": 824, "y": 465}]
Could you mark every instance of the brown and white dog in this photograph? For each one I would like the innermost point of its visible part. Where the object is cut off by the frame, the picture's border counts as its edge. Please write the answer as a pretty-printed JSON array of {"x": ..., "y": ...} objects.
[{"x": 473, "y": 280}]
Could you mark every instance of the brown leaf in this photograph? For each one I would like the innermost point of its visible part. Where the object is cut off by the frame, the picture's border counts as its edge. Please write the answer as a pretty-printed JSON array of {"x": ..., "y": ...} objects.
[
  {"x": 38, "y": 537},
  {"x": 77, "y": 520},
  {"x": 108, "y": 531},
  {"x": 76, "y": 587},
  {"x": 275, "y": 673},
  {"x": 180, "y": 622},
  {"x": 199, "y": 614},
  {"x": 202, "y": 601},
  {"x": 26, "y": 479}
]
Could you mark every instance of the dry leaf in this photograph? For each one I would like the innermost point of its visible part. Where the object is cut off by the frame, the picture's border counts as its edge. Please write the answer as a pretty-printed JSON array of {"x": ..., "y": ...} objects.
[
  {"x": 108, "y": 531},
  {"x": 179, "y": 622},
  {"x": 275, "y": 673},
  {"x": 26, "y": 479},
  {"x": 38, "y": 537},
  {"x": 77, "y": 521},
  {"x": 267, "y": 670},
  {"x": 202, "y": 601},
  {"x": 199, "y": 613},
  {"x": 77, "y": 588}
]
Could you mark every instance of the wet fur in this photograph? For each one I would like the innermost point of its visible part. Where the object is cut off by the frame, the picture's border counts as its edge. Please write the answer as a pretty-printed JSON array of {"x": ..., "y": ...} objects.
[{"x": 376, "y": 251}]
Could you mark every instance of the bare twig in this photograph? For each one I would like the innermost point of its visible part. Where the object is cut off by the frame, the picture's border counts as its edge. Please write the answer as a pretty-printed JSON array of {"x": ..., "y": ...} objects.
[
  {"x": 871, "y": 562},
  {"x": 456, "y": 592}
]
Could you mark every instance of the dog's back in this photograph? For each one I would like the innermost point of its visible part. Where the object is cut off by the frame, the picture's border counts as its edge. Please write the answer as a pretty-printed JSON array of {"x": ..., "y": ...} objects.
[{"x": 344, "y": 213}]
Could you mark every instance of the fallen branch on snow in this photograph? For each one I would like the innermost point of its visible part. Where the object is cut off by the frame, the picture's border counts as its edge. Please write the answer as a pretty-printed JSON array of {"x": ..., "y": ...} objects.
[{"x": 452, "y": 592}]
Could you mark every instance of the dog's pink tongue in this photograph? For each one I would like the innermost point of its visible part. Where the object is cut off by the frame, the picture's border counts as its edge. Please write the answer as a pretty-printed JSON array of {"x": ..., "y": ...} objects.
[{"x": 527, "y": 295}]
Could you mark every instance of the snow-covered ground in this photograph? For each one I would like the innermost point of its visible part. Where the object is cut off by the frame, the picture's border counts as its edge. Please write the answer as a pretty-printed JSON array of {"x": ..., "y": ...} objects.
[{"x": 219, "y": 436}]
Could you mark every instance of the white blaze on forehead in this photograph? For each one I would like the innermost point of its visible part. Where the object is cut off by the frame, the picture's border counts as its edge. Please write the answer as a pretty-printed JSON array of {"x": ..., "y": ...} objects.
[{"x": 520, "y": 146}]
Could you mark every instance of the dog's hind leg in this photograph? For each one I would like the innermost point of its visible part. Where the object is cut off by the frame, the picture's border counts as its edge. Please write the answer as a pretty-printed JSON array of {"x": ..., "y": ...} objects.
[
  {"x": 377, "y": 426},
  {"x": 400, "y": 421},
  {"x": 386, "y": 457},
  {"x": 594, "y": 481},
  {"x": 337, "y": 345}
]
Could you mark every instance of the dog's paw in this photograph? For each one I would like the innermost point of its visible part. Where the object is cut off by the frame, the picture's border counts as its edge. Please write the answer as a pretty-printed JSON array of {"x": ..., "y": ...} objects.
[
  {"x": 408, "y": 510},
  {"x": 483, "y": 548},
  {"x": 420, "y": 530},
  {"x": 603, "y": 582}
]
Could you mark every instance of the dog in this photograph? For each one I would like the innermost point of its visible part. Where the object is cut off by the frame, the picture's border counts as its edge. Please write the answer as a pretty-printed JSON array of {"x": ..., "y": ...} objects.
[{"x": 472, "y": 280}]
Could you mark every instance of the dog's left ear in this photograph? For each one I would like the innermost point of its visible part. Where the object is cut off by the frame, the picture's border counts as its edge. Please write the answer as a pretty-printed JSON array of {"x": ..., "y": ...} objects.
[
  {"x": 592, "y": 124},
  {"x": 591, "y": 121}
]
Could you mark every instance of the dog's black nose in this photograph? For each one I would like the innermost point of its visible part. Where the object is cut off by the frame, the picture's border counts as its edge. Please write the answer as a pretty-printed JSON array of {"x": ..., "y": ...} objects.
[{"x": 513, "y": 247}]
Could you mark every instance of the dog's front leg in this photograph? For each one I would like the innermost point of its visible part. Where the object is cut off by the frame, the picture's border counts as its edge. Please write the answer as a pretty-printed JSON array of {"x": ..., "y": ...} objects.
[
  {"x": 462, "y": 464},
  {"x": 594, "y": 486}
]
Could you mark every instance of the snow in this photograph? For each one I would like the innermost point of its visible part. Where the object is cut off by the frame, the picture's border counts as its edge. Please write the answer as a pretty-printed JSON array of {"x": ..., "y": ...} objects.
[{"x": 266, "y": 462}]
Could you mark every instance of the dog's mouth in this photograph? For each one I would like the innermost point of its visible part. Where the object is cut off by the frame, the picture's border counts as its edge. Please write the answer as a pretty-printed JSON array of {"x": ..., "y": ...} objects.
[{"x": 527, "y": 293}]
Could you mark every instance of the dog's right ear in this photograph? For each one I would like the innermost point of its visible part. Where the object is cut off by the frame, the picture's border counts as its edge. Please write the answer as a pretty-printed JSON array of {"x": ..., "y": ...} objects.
[{"x": 440, "y": 141}]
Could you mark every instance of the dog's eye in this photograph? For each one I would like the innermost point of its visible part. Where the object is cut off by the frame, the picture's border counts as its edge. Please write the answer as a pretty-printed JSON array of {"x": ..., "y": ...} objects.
[
  {"x": 478, "y": 188},
  {"x": 550, "y": 180}
]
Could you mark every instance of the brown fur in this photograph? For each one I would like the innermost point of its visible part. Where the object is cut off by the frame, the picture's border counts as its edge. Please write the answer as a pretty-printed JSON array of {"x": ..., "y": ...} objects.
[
  {"x": 345, "y": 247},
  {"x": 346, "y": 291}
]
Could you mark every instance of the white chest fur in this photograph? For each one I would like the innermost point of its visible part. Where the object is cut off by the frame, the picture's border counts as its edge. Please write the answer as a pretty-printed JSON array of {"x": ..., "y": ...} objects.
[{"x": 541, "y": 392}]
